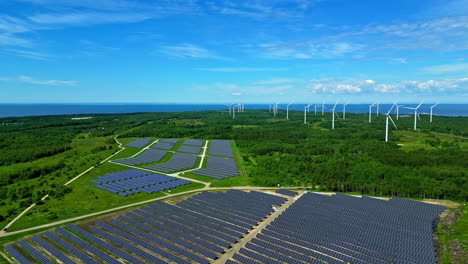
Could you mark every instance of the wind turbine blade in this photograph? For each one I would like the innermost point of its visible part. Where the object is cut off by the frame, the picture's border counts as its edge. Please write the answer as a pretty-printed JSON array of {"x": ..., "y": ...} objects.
[
  {"x": 419, "y": 104},
  {"x": 336, "y": 103},
  {"x": 390, "y": 109},
  {"x": 393, "y": 122},
  {"x": 418, "y": 116}
]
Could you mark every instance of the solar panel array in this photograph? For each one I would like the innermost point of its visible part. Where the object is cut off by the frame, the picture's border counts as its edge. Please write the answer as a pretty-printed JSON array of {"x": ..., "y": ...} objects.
[
  {"x": 147, "y": 156},
  {"x": 346, "y": 229},
  {"x": 189, "y": 149},
  {"x": 169, "y": 140},
  {"x": 139, "y": 143},
  {"x": 286, "y": 192},
  {"x": 220, "y": 148},
  {"x": 197, "y": 230},
  {"x": 194, "y": 142},
  {"x": 163, "y": 145},
  {"x": 132, "y": 181},
  {"x": 178, "y": 162},
  {"x": 217, "y": 167}
]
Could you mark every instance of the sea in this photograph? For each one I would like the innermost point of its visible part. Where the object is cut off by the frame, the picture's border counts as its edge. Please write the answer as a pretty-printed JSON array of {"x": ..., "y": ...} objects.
[{"x": 20, "y": 110}]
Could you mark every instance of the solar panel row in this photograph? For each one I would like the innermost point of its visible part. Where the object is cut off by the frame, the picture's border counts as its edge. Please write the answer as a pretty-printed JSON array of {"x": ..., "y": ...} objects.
[
  {"x": 345, "y": 229},
  {"x": 219, "y": 168},
  {"x": 286, "y": 192},
  {"x": 139, "y": 143},
  {"x": 197, "y": 232},
  {"x": 194, "y": 142},
  {"x": 169, "y": 140},
  {"x": 220, "y": 148},
  {"x": 178, "y": 162},
  {"x": 163, "y": 145},
  {"x": 189, "y": 149},
  {"x": 147, "y": 156}
]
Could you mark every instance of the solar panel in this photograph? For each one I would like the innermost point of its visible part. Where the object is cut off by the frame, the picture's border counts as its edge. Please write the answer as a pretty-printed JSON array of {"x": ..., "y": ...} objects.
[
  {"x": 139, "y": 143},
  {"x": 220, "y": 148}
]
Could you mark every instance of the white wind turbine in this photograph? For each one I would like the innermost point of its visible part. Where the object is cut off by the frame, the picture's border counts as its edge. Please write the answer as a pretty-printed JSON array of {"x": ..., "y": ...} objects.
[
  {"x": 306, "y": 109},
  {"x": 432, "y": 107},
  {"x": 333, "y": 114},
  {"x": 287, "y": 110},
  {"x": 315, "y": 108},
  {"x": 370, "y": 112},
  {"x": 377, "y": 109},
  {"x": 416, "y": 115},
  {"x": 344, "y": 110},
  {"x": 386, "y": 123},
  {"x": 323, "y": 107},
  {"x": 229, "y": 105},
  {"x": 397, "y": 110}
]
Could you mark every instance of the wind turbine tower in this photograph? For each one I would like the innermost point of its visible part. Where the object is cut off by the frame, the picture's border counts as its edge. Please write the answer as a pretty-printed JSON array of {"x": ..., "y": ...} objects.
[
  {"x": 344, "y": 110},
  {"x": 229, "y": 105},
  {"x": 386, "y": 123},
  {"x": 370, "y": 112},
  {"x": 397, "y": 110},
  {"x": 333, "y": 114},
  {"x": 323, "y": 108},
  {"x": 432, "y": 107},
  {"x": 306, "y": 109},
  {"x": 416, "y": 115},
  {"x": 287, "y": 110},
  {"x": 377, "y": 109}
]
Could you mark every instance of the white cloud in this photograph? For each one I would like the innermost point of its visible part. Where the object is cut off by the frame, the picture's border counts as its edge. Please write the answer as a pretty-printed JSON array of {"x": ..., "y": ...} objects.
[
  {"x": 188, "y": 51},
  {"x": 241, "y": 69},
  {"x": 352, "y": 86},
  {"x": 236, "y": 94},
  {"x": 89, "y": 18},
  {"x": 308, "y": 50},
  {"x": 31, "y": 80},
  {"x": 27, "y": 54},
  {"x": 446, "y": 68}
]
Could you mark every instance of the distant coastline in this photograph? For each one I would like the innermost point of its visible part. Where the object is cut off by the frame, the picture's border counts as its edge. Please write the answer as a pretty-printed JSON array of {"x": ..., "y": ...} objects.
[{"x": 20, "y": 110}]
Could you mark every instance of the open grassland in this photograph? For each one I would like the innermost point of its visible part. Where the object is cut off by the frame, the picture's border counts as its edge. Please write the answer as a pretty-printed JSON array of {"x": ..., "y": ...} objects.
[
  {"x": 85, "y": 198},
  {"x": 53, "y": 172}
]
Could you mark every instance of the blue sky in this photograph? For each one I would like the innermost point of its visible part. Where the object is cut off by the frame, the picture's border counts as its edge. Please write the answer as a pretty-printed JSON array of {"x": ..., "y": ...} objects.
[{"x": 190, "y": 51}]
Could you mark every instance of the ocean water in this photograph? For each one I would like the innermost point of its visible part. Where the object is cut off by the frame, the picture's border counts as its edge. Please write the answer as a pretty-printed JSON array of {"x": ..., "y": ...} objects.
[{"x": 17, "y": 110}]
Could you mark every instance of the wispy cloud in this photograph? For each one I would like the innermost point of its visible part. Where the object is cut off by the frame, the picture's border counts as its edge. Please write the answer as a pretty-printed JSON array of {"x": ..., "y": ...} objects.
[
  {"x": 241, "y": 69},
  {"x": 88, "y": 18},
  {"x": 353, "y": 86},
  {"x": 307, "y": 50},
  {"x": 188, "y": 51},
  {"x": 447, "y": 68},
  {"x": 31, "y": 80},
  {"x": 35, "y": 55}
]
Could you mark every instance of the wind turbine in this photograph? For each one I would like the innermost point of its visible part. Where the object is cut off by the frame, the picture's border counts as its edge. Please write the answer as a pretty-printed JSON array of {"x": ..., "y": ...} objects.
[
  {"x": 306, "y": 109},
  {"x": 287, "y": 110},
  {"x": 370, "y": 112},
  {"x": 344, "y": 110},
  {"x": 432, "y": 107},
  {"x": 229, "y": 105},
  {"x": 315, "y": 107},
  {"x": 397, "y": 110},
  {"x": 333, "y": 114},
  {"x": 377, "y": 109},
  {"x": 386, "y": 123},
  {"x": 416, "y": 116},
  {"x": 323, "y": 107}
]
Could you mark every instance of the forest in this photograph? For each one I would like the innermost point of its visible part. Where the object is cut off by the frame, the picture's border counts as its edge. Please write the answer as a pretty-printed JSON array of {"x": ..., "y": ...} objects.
[{"x": 38, "y": 154}]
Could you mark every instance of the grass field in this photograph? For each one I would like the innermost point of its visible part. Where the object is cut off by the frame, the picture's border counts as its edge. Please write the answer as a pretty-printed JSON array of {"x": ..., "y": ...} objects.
[
  {"x": 86, "y": 199},
  {"x": 80, "y": 157},
  {"x": 410, "y": 140},
  {"x": 457, "y": 231}
]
